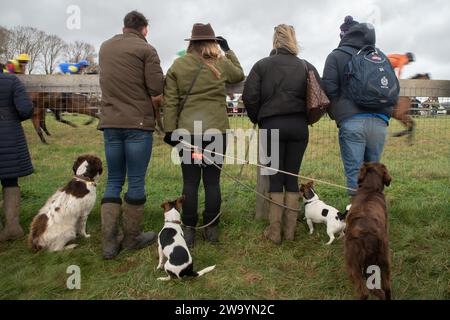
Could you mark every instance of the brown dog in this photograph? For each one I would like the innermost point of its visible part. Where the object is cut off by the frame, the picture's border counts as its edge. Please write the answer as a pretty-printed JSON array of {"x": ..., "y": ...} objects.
[{"x": 367, "y": 238}]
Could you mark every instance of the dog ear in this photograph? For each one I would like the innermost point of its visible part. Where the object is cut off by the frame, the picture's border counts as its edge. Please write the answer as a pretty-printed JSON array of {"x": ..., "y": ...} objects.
[
  {"x": 165, "y": 206},
  {"x": 363, "y": 173},
  {"x": 179, "y": 202},
  {"x": 302, "y": 188},
  {"x": 310, "y": 184},
  {"x": 78, "y": 163},
  {"x": 98, "y": 165},
  {"x": 386, "y": 177}
]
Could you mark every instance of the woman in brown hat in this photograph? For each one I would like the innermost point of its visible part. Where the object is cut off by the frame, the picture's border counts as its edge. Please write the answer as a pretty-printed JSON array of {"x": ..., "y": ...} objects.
[{"x": 195, "y": 98}]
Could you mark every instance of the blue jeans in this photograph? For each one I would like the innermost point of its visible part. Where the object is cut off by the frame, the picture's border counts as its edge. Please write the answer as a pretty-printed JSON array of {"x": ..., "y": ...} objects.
[
  {"x": 361, "y": 140},
  {"x": 127, "y": 151}
]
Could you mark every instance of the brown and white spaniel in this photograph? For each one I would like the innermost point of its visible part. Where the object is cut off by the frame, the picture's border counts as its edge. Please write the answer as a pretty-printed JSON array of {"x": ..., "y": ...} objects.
[{"x": 65, "y": 214}]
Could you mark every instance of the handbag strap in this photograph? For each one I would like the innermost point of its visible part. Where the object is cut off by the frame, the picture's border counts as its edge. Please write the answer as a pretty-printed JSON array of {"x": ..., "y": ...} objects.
[
  {"x": 306, "y": 67},
  {"x": 180, "y": 108}
]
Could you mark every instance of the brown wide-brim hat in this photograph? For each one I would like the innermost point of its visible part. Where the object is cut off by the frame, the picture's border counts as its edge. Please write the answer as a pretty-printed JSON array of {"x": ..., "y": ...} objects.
[{"x": 203, "y": 32}]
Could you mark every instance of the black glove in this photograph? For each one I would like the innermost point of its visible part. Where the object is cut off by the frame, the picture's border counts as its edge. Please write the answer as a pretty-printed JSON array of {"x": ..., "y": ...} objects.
[
  {"x": 168, "y": 140},
  {"x": 223, "y": 44}
]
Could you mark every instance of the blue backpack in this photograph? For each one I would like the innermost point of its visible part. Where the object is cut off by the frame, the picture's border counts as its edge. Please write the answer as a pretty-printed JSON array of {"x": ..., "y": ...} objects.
[{"x": 371, "y": 81}]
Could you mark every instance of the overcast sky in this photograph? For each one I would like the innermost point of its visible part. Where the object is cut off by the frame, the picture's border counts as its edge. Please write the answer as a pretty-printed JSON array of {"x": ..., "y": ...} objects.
[{"x": 418, "y": 26}]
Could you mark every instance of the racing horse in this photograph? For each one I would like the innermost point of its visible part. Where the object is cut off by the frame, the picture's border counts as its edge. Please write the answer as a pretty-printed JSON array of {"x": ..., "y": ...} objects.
[
  {"x": 59, "y": 103},
  {"x": 402, "y": 111}
]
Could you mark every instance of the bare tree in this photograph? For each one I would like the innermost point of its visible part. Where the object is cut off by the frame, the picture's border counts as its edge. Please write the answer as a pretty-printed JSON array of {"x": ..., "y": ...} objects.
[
  {"x": 80, "y": 50},
  {"x": 27, "y": 40},
  {"x": 5, "y": 48},
  {"x": 53, "y": 48}
]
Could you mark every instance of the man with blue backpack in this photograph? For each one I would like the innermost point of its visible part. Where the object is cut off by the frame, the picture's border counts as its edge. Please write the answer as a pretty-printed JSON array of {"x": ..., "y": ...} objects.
[{"x": 363, "y": 90}]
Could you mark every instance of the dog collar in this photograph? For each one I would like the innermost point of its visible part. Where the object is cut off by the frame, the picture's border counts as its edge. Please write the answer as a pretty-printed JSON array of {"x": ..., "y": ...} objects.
[
  {"x": 175, "y": 222},
  {"x": 88, "y": 182},
  {"x": 309, "y": 202}
]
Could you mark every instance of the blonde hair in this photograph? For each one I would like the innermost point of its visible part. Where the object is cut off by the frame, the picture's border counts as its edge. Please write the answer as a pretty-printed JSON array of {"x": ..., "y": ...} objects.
[
  {"x": 284, "y": 37},
  {"x": 209, "y": 52}
]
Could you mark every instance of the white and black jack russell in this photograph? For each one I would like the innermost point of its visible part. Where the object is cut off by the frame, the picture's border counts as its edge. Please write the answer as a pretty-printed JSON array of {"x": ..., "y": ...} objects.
[
  {"x": 317, "y": 211},
  {"x": 65, "y": 214},
  {"x": 174, "y": 256}
]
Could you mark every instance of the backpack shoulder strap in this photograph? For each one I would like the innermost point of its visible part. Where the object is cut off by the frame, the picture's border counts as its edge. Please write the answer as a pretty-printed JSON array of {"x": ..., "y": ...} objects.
[{"x": 348, "y": 50}]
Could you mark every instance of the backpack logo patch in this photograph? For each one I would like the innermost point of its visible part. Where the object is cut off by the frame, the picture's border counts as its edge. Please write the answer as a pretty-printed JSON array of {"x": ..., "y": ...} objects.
[
  {"x": 384, "y": 82},
  {"x": 376, "y": 57}
]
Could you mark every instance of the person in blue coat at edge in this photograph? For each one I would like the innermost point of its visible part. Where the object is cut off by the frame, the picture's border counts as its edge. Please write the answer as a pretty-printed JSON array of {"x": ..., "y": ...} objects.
[
  {"x": 15, "y": 161},
  {"x": 73, "y": 68},
  {"x": 362, "y": 135}
]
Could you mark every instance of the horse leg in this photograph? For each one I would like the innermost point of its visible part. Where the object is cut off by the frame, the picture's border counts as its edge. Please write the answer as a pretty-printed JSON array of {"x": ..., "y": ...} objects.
[
  {"x": 403, "y": 133},
  {"x": 401, "y": 114},
  {"x": 59, "y": 118},
  {"x": 411, "y": 128},
  {"x": 36, "y": 123},
  {"x": 90, "y": 112},
  {"x": 404, "y": 120},
  {"x": 90, "y": 121},
  {"x": 43, "y": 124}
]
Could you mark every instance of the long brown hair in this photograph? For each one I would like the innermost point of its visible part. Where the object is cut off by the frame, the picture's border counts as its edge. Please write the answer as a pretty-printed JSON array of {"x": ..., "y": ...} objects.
[
  {"x": 209, "y": 52},
  {"x": 284, "y": 37}
]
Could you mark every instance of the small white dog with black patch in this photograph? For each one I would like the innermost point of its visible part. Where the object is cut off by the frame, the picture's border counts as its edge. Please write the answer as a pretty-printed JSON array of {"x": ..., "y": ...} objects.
[
  {"x": 65, "y": 214},
  {"x": 317, "y": 211},
  {"x": 174, "y": 256}
]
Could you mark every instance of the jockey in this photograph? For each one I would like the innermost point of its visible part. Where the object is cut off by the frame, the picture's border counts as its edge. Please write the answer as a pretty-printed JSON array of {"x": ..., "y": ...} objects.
[
  {"x": 73, "y": 68},
  {"x": 18, "y": 65},
  {"x": 399, "y": 61}
]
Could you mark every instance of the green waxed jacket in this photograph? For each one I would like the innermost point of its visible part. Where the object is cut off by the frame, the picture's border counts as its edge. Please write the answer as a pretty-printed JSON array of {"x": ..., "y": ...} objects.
[{"x": 207, "y": 100}]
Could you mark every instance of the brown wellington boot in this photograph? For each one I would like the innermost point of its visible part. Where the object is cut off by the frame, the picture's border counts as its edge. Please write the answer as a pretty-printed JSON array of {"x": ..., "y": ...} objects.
[
  {"x": 290, "y": 216},
  {"x": 111, "y": 237},
  {"x": 134, "y": 239},
  {"x": 11, "y": 208},
  {"x": 273, "y": 231}
]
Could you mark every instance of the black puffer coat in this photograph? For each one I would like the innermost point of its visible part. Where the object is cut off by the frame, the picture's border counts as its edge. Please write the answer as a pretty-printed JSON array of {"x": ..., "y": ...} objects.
[
  {"x": 276, "y": 86},
  {"x": 15, "y": 107}
]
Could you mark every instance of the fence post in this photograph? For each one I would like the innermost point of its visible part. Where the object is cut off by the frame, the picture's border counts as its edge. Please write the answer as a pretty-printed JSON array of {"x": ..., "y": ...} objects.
[{"x": 262, "y": 186}]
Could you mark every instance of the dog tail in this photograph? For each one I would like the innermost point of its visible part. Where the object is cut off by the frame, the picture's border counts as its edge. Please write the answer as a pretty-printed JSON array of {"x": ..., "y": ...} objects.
[{"x": 205, "y": 271}]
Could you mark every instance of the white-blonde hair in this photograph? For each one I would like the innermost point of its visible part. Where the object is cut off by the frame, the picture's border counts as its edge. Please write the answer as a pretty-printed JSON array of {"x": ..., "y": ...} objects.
[{"x": 284, "y": 37}]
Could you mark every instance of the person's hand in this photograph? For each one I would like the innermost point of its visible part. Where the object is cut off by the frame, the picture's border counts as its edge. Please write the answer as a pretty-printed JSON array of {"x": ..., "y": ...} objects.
[
  {"x": 168, "y": 139},
  {"x": 223, "y": 43}
]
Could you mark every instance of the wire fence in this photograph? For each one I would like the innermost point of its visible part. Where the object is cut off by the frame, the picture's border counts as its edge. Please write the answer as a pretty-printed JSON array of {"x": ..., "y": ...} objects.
[{"x": 428, "y": 155}]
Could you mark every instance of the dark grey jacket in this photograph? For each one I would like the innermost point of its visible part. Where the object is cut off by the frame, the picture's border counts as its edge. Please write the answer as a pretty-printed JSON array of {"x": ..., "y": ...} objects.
[
  {"x": 276, "y": 86},
  {"x": 15, "y": 106},
  {"x": 334, "y": 78}
]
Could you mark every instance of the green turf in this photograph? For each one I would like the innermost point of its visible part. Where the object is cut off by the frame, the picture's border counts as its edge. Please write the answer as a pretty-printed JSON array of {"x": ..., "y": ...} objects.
[{"x": 247, "y": 266}]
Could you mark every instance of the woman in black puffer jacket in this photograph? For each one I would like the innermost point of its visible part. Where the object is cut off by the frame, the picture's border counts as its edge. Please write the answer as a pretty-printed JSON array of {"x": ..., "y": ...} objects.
[
  {"x": 275, "y": 98},
  {"x": 15, "y": 162}
]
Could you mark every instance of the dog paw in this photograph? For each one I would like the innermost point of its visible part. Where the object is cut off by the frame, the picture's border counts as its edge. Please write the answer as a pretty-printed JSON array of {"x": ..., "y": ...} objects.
[{"x": 87, "y": 235}]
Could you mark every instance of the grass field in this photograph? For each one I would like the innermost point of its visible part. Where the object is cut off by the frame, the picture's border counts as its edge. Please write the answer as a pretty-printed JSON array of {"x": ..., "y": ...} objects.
[{"x": 247, "y": 266}]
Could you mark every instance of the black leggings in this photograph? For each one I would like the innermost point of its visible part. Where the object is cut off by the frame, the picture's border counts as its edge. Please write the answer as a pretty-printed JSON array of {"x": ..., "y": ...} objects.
[
  {"x": 192, "y": 175},
  {"x": 294, "y": 136},
  {"x": 10, "y": 183}
]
